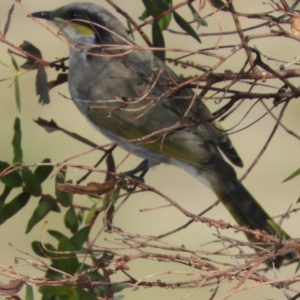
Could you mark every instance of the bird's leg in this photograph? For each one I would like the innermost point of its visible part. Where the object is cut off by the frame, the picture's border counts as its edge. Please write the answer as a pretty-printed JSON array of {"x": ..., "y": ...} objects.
[{"x": 142, "y": 168}]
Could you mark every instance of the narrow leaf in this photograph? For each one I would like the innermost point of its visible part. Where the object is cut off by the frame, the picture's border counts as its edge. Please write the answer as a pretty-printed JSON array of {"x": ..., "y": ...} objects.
[
  {"x": 185, "y": 26},
  {"x": 17, "y": 93},
  {"x": 91, "y": 214},
  {"x": 83, "y": 294},
  {"x": 55, "y": 207},
  {"x": 14, "y": 63},
  {"x": 158, "y": 41},
  {"x": 29, "y": 292},
  {"x": 64, "y": 198},
  {"x": 41, "y": 173},
  {"x": 149, "y": 7},
  {"x": 57, "y": 292},
  {"x": 40, "y": 212},
  {"x": 16, "y": 84},
  {"x": 80, "y": 237},
  {"x": 297, "y": 268},
  {"x": 45, "y": 251},
  {"x": 80, "y": 216},
  {"x": 165, "y": 21},
  {"x": 31, "y": 183},
  {"x": 197, "y": 17},
  {"x": 160, "y": 7},
  {"x": 13, "y": 179},
  {"x": 70, "y": 220},
  {"x": 6, "y": 27},
  {"x": 145, "y": 14},
  {"x": 4, "y": 195},
  {"x": 294, "y": 174},
  {"x": 57, "y": 235},
  {"x": 52, "y": 126},
  {"x": 121, "y": 286},
  {"x": 69, "y": 263},
  {"x": 11, "y": 208},
  {"x": 16, "y": 142},
  {"x": 34, "y": 51},
  {"x": 219, "y": 4},
  {"x": 41, "y": 85}
]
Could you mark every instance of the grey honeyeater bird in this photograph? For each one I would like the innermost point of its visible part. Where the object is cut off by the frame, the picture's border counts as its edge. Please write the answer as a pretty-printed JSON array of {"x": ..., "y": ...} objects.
[{"x": 128, "y": 94}]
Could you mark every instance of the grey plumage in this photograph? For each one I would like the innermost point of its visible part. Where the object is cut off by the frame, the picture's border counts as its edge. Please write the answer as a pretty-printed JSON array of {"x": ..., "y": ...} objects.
[{"x": 128, "y": 94}]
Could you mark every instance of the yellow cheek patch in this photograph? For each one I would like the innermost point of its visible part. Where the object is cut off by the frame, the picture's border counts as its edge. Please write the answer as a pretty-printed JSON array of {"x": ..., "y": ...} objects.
[
  {"x": 76, "y": 27},
  {"x": 82, "y": 29}
]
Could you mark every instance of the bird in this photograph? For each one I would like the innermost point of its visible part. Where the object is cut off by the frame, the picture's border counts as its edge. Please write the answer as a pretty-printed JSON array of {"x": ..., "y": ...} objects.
[{"x": 136, "y": 100}]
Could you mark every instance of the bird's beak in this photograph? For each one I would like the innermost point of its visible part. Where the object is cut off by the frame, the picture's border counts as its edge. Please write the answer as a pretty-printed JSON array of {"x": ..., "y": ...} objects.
[{"x": 47, "y": 15}]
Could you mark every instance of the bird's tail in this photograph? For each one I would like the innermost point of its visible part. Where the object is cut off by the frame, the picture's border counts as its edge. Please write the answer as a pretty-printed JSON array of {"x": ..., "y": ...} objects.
[{"x": 245, "y": 209}]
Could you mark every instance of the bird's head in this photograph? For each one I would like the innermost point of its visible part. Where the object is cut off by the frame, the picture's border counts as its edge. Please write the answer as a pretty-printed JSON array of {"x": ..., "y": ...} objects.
[{"x": 85, "y": 23}]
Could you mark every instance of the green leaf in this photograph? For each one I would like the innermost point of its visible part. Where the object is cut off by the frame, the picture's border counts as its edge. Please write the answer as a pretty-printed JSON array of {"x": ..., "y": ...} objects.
[
  {"x": 17, "y": 93},
  {"x": 185, "y": 26},
  {"x": 160, "y": 7},
  {"x": 69, "y": 262},
  {"x": 297, "y": 268},
  {"x": 155, "y": 9},
  {"x": 80, "y": 237},
  {"x": 31, "y": 183},
  {"x": 70, "y": 220},
  {"x": 4, "y": 195},
  {"x": 57, "y": 235},
  {"x": 120, "y": 286},
  {"x": 16, "y": 142},
  {"x": 38, "y": 249},
  {"x": 64, "y": 198},
  {"x": 58, "y": 292},
  {"x": 144, "y": 15},
  {"x": 13, "y": 179},
  {"x": 41, "y": 173},
  {"x": 112, "y": 197},
  {"x": 91, "y": 214},
  {"x": 40, "y": 212},
  {"x": 197, "y": 17},
  {"x": 165, "y": 21},
  {"x": 55, "y": 207},
  {"x": 83, "y": 294},
  {"x": 80, "y": 215},
  {"x": 41, "y": 85},
  {"x": 14, "y": 63},
  {"x": 149, "y": 7},
  {"x": 53, "y": 274},
  {"x": 29, "y": 292},
  {"x": 158, "y": 41},
  {"x": 219, "y": 4},
  {"x": 6, "y": 26},
  {"x": 16, "y": 84},
  {"x": 11, "y": 208},
  {"x": 294, "y": 174}
]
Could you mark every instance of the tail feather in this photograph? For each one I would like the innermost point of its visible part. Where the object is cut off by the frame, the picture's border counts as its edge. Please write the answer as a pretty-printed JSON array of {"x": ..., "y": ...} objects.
[
  {"x": 242, "y": 206},
  {"x": 246, "y": 210}
]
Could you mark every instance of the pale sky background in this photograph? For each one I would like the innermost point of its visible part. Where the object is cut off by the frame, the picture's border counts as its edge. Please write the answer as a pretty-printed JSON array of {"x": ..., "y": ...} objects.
[{"x": 264, "y": 182}]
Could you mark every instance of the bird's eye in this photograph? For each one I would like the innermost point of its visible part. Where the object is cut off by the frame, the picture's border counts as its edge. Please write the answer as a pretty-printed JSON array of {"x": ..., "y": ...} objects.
[{"x": 74, "y": 15}]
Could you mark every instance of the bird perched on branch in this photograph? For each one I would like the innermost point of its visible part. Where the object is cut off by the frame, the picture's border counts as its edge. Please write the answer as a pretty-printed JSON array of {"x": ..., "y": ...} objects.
[{"x": 135, "y": 99}]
